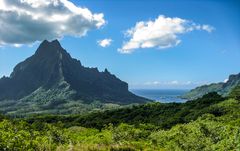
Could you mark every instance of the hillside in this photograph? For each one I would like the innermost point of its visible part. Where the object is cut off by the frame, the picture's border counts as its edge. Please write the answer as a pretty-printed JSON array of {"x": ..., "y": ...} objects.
[
  {"x": 222, "y": 88},
  {"x": 51, "y": 81},
  {"x": 209, "y": 123},
  {"x": 162, "y": 115}
]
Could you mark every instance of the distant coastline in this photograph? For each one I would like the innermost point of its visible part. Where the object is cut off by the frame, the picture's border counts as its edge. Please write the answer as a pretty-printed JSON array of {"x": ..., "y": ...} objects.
[{"x": 162, "y": 95}]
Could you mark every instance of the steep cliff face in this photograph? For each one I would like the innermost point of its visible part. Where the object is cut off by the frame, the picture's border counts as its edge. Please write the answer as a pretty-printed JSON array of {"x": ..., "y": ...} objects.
[{"x": 51, "y": 73}]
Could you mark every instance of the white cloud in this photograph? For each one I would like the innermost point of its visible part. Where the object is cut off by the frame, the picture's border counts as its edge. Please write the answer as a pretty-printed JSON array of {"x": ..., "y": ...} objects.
[
  {"x": 189, "y": 82},
  {"x": 152, "y": 83},
  {"x": 27, "y": 21},
  {"x": 207, "y": 28},
  {"x": 226, "y": 80},
  {"x": 104, "y": 42},
  {"x": 172, "y": 83},
  {"x": 162, "y": 33}
]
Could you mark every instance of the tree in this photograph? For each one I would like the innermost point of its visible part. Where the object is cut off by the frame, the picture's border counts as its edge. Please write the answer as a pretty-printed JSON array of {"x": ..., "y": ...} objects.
[{"x": 235, "y": 93}]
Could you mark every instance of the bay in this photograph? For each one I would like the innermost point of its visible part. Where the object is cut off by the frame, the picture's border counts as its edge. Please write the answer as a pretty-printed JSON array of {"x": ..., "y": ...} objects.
[{"x": 162, "y": 95}]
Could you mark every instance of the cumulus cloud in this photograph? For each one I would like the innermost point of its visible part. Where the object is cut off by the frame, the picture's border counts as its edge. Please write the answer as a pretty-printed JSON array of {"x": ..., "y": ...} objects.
[
  {"x": 27, "y": 21},
  {"x": 162, "y": 33},
  {"x": 104, "y": 42}
]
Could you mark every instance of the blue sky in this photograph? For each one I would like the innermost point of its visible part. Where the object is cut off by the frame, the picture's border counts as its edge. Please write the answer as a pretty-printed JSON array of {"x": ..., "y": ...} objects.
[{"x": 204, "y": 55}]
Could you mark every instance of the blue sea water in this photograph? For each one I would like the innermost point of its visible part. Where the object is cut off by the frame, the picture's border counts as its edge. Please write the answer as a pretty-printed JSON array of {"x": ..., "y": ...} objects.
[{"x": 161, "y": 95}]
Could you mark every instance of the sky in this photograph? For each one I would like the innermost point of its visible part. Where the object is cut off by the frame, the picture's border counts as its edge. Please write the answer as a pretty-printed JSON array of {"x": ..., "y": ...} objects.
[{"x": 150, "y": 44}]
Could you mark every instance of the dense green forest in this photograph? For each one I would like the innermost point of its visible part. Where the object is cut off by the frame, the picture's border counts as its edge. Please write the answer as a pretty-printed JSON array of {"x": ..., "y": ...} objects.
[
  {"x": 235, "y": 93},
  {"x": 209, "y": 123},
  {"x": 163, "y": 115}
]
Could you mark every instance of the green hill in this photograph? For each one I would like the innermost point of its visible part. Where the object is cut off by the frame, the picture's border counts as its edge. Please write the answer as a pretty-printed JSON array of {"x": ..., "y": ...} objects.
[{"x": 221, "y": 88}]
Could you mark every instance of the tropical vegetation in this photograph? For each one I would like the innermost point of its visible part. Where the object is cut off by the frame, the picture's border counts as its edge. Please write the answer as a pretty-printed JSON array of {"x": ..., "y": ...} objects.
[{"x": 209, "y": 123}]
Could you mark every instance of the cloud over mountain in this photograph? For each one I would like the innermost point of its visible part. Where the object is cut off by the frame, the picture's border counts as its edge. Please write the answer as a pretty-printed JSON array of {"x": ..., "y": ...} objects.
[
  {"x": 162, "y": 33},
  {"x": 36, "y": 20}
]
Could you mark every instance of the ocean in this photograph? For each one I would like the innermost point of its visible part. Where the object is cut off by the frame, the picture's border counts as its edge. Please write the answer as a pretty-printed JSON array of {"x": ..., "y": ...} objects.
[{"x": 161, "y": 95}]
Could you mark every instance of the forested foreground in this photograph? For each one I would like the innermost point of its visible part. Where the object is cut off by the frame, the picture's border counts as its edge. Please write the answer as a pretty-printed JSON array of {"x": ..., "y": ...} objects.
[{"x": 201, "y": 125}]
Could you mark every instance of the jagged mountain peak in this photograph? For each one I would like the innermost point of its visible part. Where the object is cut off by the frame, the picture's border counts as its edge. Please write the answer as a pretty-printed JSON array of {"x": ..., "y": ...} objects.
[
  {"x": 50, "y": 49},
  {"x": 54, "y": 43},
  {"x": 48, "y": 56},
  {"x": 51, "y": 69}
]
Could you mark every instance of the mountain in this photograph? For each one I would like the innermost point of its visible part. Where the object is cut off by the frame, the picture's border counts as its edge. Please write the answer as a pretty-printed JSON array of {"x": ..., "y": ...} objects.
[
  {"x": 51, "y": 76},
  {"x": 223, "y": 88}
]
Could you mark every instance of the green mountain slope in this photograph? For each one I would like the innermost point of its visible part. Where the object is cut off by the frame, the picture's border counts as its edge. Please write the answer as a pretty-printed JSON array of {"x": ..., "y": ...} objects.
[
  {"x": 221, "y": 88},
  {"x": 235, "y": 93}
]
